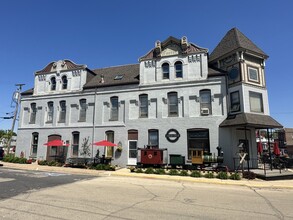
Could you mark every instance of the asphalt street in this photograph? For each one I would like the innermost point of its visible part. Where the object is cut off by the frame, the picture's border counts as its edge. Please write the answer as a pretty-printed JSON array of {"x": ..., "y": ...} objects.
[
  {"x": 50, "y": 195},
  {"x": 14, "y": 182}
]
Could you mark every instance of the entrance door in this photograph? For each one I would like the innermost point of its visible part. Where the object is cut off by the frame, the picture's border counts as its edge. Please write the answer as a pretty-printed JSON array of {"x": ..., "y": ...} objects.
[
  {"x": 132, "y": 147},
  {"x": 132, "y": 152}
]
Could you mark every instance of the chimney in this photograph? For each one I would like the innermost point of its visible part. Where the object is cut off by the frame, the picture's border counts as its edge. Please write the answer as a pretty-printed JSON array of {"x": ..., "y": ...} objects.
[{"x": 102, "y": 79}]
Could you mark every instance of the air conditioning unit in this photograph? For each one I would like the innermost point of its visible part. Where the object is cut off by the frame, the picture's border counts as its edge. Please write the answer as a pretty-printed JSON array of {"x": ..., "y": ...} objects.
[{"x": 205, "y": 111}]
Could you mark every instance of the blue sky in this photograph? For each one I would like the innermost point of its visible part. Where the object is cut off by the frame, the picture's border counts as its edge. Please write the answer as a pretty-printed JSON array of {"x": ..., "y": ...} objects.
[{"x": 111, "y": 33}]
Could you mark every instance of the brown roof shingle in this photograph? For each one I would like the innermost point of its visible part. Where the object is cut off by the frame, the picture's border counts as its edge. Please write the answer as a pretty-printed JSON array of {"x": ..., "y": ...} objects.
[
  {"x": 113, "y": 76},
  {"x": 251, "y": 120},
  {"x": 233, "y": 40}
]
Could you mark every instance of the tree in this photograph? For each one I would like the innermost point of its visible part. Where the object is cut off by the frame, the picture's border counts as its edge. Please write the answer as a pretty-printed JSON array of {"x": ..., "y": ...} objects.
[
  {"x": 85, "y": 148},
  {"x": 5, "y": 136}
]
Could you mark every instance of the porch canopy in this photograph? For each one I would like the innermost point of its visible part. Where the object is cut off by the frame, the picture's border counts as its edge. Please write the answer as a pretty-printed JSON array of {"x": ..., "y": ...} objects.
[{"x": 251, "y": 120}]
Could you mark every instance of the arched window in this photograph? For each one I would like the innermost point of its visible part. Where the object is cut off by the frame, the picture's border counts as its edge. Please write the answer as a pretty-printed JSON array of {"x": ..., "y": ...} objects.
[
  {"x": 82, "y": 110},
  {"x": 114, "y": 108},
  {"x": 178, "y": 69},
  {"x": 166, "y": 71},
  {"x": 62, "y": 115},
  {"x": 110, "y": 137},
  {"x": 205, "y": 102},
  {"x": 53, "y": 83},
  {"x": 143, "y": 106},
  {"x": 50, "y": 113},
  {"x": 172, "y": 104},
  {"x": 153, "y": 137},
  {"x": 64, "y": 82},
  {"x": 75, "y": 143},
  {"x": 34, "y": 147},
  {"x": 33, "y": 113},
  {"x": 132, "y": 143}
]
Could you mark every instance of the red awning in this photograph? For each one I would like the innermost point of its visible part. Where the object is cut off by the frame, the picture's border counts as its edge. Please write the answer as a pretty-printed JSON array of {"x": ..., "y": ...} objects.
[
  {"x": 56, "y": 143},
  {"x": 105, "y": 143}
]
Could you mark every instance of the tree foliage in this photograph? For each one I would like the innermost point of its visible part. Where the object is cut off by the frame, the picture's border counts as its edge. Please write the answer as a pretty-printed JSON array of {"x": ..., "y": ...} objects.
[{"x": 85, "y": 147}]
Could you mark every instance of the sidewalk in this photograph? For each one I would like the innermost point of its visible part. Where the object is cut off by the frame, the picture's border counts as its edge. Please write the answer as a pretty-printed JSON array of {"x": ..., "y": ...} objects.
[{"x": 256, "y": 183}]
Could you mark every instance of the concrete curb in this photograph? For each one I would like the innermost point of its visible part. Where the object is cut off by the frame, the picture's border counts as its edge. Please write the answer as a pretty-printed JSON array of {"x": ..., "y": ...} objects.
[{"x": 124, "y": 172}]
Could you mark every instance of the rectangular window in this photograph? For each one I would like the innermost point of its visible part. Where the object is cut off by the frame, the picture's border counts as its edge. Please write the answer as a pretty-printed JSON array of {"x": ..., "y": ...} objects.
[
  {"x": 75, "y": 143},
  {"x": 205, "y": 102},
  {"x": 62, "y": 115},
  {"x": 34, "y": 149},
  {"x": 50, "y": 114},
  {"x": 143, "y": 106},
  {"x": 82, "y": 111},
  {"x": 153, "y": 138},
  {"x": 172, "y": 104},
  {"x": 235, "y": 101},
  {"x": 114, "y": 109},
  {"x": 256, "y": 102},
  {"x": 253, "y": 74},
  {"x": 33, "y": 113}
]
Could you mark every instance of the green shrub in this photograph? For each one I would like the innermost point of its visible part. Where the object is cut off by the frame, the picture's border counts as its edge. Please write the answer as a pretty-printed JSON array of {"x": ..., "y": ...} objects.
[
  {"x": 160, "y": 171},
  {"x": 248, "y": 175},
  {"x": 52, "y": 163},
  {"x": 16, "y": 160},
  {"x": 209, "y": 175},
  {"x": 222, "y": 175},
  {"x": 21, "y": 160},
  {"x": 42, "y": 162},
  {"x": 183, "y": 173},
  {"x": 8, "y": 158},
  {"x": 12, "y": 159},
  {"x": 195, "y": 174},
  {"x": 235, "y": 176},
  {"x": 173, "y": 172},
  {"x": 100, "y": 167},
  {"x": 150, "y": 170},
  {"x": 139, "y": 170}
]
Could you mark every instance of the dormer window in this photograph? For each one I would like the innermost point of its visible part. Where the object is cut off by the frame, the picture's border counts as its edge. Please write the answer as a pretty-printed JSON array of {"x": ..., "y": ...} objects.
[
  {"x": 53, "y": 84},
  {"x": 178, "y": 69},
  {"x": 64, "y": 82},
  {"x": 166, "y": 71},
  {"x": 118, "y": 77}
]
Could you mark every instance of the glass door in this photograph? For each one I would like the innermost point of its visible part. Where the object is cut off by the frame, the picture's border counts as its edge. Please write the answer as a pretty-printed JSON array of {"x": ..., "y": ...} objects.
[{"x": 132, "y": 152}]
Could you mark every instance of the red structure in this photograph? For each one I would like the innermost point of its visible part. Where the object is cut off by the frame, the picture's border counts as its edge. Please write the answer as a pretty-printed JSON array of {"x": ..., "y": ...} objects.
[{"x": 152, "y": 156}]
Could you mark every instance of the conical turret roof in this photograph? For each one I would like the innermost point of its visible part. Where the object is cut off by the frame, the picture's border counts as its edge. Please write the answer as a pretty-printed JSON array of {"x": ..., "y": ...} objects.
[{"x": 234, "y": 40}]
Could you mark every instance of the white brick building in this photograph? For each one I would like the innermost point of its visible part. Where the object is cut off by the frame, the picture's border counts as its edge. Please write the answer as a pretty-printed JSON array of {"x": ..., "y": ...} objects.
[{"x": 209, "y": 101}]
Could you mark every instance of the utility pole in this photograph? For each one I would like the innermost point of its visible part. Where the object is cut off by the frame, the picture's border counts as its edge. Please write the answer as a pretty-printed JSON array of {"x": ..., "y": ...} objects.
[{"x": 16, "y": 99}]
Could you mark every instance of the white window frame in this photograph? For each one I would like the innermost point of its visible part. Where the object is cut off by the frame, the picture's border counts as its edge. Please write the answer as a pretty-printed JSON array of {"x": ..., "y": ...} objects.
[
  {"x": 256, "y": 102},
  {"x": 249, "y": 74}
]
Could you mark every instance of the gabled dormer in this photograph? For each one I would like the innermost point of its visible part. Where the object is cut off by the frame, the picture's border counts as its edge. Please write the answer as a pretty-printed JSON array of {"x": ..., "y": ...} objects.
[
  {"x": 62, "y": 76},
  {"x": 173, "y": 60}
]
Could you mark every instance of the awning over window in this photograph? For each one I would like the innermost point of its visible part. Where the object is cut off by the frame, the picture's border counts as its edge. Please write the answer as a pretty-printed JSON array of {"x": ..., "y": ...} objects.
[{"x": 251, "y": 120}]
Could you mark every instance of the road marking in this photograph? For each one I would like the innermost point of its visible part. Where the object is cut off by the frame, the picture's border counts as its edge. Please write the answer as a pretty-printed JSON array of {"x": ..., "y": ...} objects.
[
  {"x": 2, "y": 180},
  {"x": 56, "y": 174}
]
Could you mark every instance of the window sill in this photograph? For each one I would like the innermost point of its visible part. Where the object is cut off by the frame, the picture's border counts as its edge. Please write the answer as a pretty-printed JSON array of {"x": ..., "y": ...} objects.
[
  {"x": 113, "y": 119},
  {"x": 49, "y": 122}
]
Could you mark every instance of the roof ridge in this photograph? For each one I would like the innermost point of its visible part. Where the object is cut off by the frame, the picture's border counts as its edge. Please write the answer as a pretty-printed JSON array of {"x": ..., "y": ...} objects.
[{"x": 134, "y": 64}]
